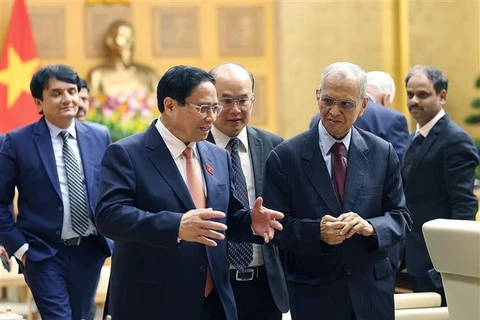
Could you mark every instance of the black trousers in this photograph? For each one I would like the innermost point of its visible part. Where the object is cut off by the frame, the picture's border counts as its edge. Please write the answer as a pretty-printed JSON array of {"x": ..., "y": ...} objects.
[
  {"x": 212, "y": 307},
  {"x": 254, "y": 299}
]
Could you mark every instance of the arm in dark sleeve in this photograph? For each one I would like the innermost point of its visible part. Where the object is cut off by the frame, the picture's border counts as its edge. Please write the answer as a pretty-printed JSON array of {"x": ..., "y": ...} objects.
[
  {"x": 398, "y": 135},
  {"x": 460, "y": 160}
]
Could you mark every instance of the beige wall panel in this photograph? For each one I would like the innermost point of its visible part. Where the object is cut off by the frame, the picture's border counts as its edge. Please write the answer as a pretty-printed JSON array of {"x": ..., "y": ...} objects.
[
  {"x": 48, "y": 26},
  {"x": 312, "y": 35},
  {"x": 447, "y": 35}
]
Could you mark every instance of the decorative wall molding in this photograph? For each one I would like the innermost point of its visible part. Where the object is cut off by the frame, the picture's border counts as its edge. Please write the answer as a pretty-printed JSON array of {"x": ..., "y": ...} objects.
[
  {"x": 175, "y": 31},
  {"x": 97, "y": 19},
  {"x": 48, "y": 28},
  {"x": 241, "y": 31}
]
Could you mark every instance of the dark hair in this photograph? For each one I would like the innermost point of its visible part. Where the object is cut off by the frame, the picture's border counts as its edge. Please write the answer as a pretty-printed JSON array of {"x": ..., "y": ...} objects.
[
  {"x": 214, "y": 70},
  {"x": 60, "y": 72},
  {"x": 83, "y": 84},
  {"x": 439, "y": 79},
  {"x": 179, "y": 82}
]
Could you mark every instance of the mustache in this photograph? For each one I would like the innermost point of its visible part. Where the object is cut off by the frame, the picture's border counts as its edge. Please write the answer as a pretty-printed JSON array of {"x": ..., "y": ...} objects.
[
  {"x": 81, "y": 110},
  {"x": 415, "y": 106}
]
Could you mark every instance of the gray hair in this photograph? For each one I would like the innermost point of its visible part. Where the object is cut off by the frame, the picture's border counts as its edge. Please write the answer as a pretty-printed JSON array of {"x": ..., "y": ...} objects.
[
  {"x": 346, "y": 69},
  {"x": 382, "y": 82}
]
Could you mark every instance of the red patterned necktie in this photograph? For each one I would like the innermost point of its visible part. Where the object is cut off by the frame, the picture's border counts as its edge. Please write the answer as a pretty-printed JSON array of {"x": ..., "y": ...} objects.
[
  {"x": 339, "y": 170},
  {"x": 195, "y": 186}
]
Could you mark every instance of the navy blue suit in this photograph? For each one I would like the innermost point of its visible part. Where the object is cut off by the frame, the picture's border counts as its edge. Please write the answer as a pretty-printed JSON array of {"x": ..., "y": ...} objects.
[
  {"x": 142, "y": 198},
  {"x": 2, "y": 137},
  {"x": 27, "y": 161},
  {"x": 335, "y": 281},
  {"x": 384, "y": 122}
]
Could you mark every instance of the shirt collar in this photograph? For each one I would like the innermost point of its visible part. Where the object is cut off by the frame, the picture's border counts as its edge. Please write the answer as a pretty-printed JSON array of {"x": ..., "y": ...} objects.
[
  {"x": 327, "y": 141},
  {"x": 174, "y": 145},
  {"x": 55, "y": 131},
  {"x": 425, "y": 130},
  {"x": 222, "y": 140}
]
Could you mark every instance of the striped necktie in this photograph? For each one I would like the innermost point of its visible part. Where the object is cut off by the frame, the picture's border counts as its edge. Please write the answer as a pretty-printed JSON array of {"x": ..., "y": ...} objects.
[
  {"x": 76, "y": 191},
  {"x": 240, "y": 255}
]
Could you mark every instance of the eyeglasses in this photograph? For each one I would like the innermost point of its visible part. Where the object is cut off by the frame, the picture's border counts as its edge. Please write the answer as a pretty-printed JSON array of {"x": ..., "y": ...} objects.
[
  {"x": 243, "y": 104},
  {"x": 205, "y": 109},
  {"x": 342, "y": 104}
]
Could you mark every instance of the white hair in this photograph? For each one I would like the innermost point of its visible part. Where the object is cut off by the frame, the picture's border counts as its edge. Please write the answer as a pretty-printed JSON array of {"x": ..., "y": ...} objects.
[
  {"x": 345, "y": 69},
  {"x": 383, "y": 82}
]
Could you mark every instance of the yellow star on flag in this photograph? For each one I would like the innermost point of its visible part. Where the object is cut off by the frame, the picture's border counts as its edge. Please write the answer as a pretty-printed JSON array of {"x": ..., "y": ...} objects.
[{"x": 17, "y": 75}]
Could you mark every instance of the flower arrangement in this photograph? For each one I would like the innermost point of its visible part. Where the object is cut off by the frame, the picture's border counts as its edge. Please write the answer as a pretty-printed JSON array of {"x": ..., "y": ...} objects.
[{"x": 125, "y": 114}]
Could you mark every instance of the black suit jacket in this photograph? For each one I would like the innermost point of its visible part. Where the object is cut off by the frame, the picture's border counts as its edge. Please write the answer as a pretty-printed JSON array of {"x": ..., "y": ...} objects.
[
  {"x": 2, "y": 137},
  {"x": 439, "y": 185},
  {"x": 260, "y": 143}
]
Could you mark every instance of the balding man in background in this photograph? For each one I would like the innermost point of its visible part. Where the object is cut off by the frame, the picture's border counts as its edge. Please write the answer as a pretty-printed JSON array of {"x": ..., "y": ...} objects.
[
  {"x": 259, "y": 285},
  {"x": 381, "y": 87}
]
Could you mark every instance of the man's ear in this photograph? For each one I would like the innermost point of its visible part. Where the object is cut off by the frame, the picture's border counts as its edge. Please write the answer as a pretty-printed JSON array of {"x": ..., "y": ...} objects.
[
  {"x": 169, "y": 104},
  {"x": 39, "y": 104},
  {"x": 443, "y": 96}
]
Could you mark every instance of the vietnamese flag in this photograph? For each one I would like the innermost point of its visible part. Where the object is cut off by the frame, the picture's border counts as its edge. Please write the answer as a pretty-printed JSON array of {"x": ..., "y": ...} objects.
[{"x": 18, "y": 63}]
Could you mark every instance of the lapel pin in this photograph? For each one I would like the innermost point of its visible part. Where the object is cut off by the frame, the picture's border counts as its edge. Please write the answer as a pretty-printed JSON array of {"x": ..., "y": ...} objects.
[{"x": 209, "y": 168}]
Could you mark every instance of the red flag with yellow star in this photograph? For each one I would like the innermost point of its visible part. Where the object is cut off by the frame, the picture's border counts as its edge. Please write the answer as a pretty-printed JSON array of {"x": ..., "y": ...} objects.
[{"x": 18, "y": 63}]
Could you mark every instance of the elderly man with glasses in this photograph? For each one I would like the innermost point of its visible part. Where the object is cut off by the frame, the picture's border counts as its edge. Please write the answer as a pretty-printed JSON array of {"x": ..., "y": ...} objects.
[
  {"x": 166, "y": 198},
  {"x": 340, "y": 189}
]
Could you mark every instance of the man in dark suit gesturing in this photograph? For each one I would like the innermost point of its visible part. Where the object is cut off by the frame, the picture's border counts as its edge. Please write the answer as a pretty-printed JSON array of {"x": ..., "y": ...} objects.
[
  {"x": 54, "y": 163},
  {"x": 166, "y": 198},
  {"x": 341, "y": 192},
  {"x": 259, "y": 286},
  {"x": 438, "y": 169}
]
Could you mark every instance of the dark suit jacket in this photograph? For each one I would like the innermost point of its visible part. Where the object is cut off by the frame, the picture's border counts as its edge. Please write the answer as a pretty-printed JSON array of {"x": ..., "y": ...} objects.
[
  {"x": 356, "y": 275},
  {"x": 261, "y": 142},
  {"x": 384, "y": 122},
  {"x": 27, "y": 161},
  {"x": 440, "y": 185},
  {"x": 2, "y": 137},
  {"x": 142, "y": 200}
]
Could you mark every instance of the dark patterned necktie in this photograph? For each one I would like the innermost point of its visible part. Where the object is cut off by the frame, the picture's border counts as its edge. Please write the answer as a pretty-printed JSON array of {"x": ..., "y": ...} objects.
[
  {"x": 410, "y": 154},
  {"x": 339, "y": 170},
  {"x": 76, "y": 191},
  {"x": 240, "y": 255}
]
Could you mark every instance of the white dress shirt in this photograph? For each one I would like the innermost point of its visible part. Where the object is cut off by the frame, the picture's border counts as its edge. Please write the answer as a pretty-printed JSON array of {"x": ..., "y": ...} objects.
[
  {"x": 222, "y": 141},
  {"x": 57, "y": 143},
  {"x": 425, "y": 130},
  {"x": 326, "y": 141}
]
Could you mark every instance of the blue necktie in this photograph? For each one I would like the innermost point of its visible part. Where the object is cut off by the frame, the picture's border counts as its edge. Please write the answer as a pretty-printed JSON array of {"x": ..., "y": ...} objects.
[
  {"x": 240, "y": 255},
  {"x": 76, "y": 191}
]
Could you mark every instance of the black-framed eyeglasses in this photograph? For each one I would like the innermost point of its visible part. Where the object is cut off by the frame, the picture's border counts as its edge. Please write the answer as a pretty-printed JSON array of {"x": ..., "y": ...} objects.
[
  {"x": 243, "y": 104},
  {"x": 204, "y": 109},
  {"x": 328, "y": 102}
]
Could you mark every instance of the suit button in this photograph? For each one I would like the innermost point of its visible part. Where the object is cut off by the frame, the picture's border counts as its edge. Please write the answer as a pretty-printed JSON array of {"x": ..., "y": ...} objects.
[
  {"x": 58, "y": 232},
  {"x": 348, "y": 272},
  {"x": 60, "y": 208},
  {"x": 203, "y": 268}
]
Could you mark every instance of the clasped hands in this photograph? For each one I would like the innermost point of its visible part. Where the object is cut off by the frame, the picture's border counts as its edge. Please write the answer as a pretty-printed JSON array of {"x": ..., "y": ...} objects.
[
  {"x": 336, "y": 230},
  {"x": 197, "y": 225}
]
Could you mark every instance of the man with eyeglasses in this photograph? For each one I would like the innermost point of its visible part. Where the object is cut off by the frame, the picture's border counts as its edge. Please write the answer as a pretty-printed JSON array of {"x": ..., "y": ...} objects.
[
  {"x": 166, "y": 199},
  {"x": 259, "y": 282},
  {"x": 340, "y": 190}
]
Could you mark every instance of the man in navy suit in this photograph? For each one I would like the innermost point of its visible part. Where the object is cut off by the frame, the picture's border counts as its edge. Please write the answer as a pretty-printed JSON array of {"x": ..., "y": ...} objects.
[
  {"x": 60, "y": 261},
  {"x": 260, "y": 290},
  {"x": 341, "y": 192},
  {"x": 166, "y": 199},
  {"x": 386, "y": 123},
  {"x": 438, "y": 169}
]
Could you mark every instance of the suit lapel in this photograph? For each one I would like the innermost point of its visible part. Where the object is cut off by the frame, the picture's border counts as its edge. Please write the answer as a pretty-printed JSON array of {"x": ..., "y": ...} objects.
[
  {"x": 161, "y": 158},
  {"x": 258, "y": 158},
  {"x": 316, "y": 171},
  {"x": 43, "y": 142},
  {"x": 356, "y": 168},
  {"x": 86, "y": 147},
  {"x": 208, "y": 170},
  {"x": 426, "y": 145}
]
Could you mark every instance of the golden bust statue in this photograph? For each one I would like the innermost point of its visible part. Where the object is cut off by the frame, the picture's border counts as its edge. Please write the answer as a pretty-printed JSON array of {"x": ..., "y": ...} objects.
[{"x": 120, "y": 74}]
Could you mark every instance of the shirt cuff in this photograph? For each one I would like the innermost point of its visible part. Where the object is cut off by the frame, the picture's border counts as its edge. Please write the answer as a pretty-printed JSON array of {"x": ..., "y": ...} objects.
[{"x": 21, "y": 251}]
